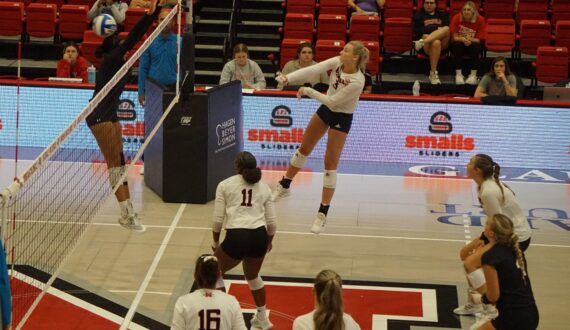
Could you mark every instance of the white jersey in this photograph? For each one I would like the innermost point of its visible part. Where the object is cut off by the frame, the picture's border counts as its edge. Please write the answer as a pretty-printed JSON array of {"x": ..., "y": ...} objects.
[
  {"x": 305, "y": 322},
  {"x": 492, "y": 202},
  {"x": 207, "y": 309},
  {"x": 244, "y": 205},
  {"x": 344, "y": 88}
]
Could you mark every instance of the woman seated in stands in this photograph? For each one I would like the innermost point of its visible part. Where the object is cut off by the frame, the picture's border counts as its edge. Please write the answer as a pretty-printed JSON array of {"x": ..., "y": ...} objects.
[
  {"x": 304, "y": 58},
  {"x": 115, "y": 8},
  {"x": 499, "y": 81},
  {"x": 366, "y": 7},
  {"x": 243, "y": 69},
  {"x": 72, "y": 65},
  {"x": 329, "y": 310},
  {"x": 467, "y": 32},
  {"x": 431, "y": 31}
]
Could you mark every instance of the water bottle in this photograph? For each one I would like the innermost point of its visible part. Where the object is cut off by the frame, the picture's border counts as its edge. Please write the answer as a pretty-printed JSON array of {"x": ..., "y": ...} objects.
[
  {"x": 416, "y": 88},
  {"x": 91, "y": 74}
]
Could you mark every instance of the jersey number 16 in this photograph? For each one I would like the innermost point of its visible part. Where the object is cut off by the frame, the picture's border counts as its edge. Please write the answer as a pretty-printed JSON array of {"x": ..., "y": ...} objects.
[{"x": 210, "y": 319}]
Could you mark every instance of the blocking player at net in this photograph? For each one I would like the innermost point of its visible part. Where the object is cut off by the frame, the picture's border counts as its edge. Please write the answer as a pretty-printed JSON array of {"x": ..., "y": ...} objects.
[
  {"x": 333, "y": 117},
  {"x": 103, "y": 121}
]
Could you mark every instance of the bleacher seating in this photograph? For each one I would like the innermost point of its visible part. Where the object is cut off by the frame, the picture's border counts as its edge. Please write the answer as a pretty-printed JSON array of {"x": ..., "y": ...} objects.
[
  {"x": 562, "y": 34},
  {"x": 132, "y": 16},
  {"x": 73, "y": 21},
  {"x": 499, "y": 8},
  {"x": 333, "y": 7},
  {"x": 58, "y": 3},
  {"x": 533, "y": 34},
  {"x": 500, "y": 35},
  {"x": 41, "y": 21},
  {"x": 374, "y": 60},
  {"x": 551, "y": 65},
  {"x": 298, "y": 26},
  {"x": 397, "y": 35},
  {"x": 88, "y": 3},
  {"x": 532, "y": 9},
  {"x": 90, "y": 43},
  {"x": 12, "y": 22},
  {"x": 299, "y": 6},
  {"x": 560, "y": 11},
  {"x": 398, "y": 8},
  {"x": 328, "y": 48},
  {"x": 331, "y": 27},
  {"x": 364, "y": 28}
]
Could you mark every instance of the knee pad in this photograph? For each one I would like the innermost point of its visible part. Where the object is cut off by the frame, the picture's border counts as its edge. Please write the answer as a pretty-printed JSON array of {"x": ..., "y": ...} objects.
[
  {"x": 298, "y": 160},
  {"x": 476, "y": 278},
  {"x": 115, "y": 174},
  {"x": 220, "y": 283},
  {"x": 329, "y": 179},
  {"x": 255, "y": 284}
]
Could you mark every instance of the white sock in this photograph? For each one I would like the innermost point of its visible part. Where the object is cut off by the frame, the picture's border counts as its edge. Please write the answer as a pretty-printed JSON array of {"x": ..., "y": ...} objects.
[
  {"x": 126, "y": 207},
  {"x": 458, "y": 73},
  {"x": 261, "y": 312}
]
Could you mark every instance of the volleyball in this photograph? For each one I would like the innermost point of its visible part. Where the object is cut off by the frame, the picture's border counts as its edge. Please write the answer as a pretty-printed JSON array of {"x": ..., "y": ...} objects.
[{"x": 104, "y": 25}]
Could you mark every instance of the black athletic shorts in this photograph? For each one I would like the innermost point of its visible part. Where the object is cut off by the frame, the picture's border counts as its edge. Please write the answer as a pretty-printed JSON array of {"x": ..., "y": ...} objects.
[
  {"x": 245, "y": 243},
  {"x": 102, "y": 114},
  {"x": 336, "y": 120},
  {"x": 517, "y": 319},
  {"x": 524, "y": 245}
]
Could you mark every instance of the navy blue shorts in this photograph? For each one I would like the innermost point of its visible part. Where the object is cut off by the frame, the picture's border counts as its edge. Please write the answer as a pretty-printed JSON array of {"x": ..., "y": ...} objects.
[{"x": 336, "y": 120}]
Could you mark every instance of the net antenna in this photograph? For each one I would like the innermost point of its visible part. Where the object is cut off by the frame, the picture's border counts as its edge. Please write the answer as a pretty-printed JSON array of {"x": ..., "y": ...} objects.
[{"x": 48, "y": 206}]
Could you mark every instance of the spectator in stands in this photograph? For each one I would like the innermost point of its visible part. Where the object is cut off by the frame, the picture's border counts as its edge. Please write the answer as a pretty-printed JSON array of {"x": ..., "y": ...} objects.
[
  {"x": 243, "y": 69},
  {"x": 159, "y": 60},
  {"x": 115, "y": 8},
  {"x": 431, "y": 31},
  {"x": 508, "y": 285},
  {"x": 189, "y": 309},
  {"x": 499, "y": 81},
  {"x": 72, "y": 65},
  {"x": 467, "y": 33},
  {"x": 366, "y": 7},
  {"x": 304, "y": 58},
  {"x": 329, "y": 311}
]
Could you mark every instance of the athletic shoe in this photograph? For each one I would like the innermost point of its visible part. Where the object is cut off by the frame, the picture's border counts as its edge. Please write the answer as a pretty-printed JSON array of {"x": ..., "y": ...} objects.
[
  {"x": 469, "y": 309},
  {"x": 490, "y": 311},
  {"x": 280, "y": 192},
  {"x": 419, "y": 45},
  {"x": 483, "y": 318},
  {"x": 472, "y": 79},
  {"x": 132, "y": 222},
  {"x": 434, "y": 78},
  {"x": 257, "y": 323},
  {"x": 319, "y": 223},
  {"x": 459, "y": 80}
]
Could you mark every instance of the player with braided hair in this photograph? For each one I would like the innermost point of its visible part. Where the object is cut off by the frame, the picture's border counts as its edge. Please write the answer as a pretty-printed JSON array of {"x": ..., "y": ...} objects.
[
  {"x": 495, "y": 198},
  {"x": 206, "y": 306},
  {"x": 508, "y": 285}
]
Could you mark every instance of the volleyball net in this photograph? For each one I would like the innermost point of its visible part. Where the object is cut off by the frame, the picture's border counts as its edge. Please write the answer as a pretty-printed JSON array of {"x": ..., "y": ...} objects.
[{"x": 53, "y": 197}]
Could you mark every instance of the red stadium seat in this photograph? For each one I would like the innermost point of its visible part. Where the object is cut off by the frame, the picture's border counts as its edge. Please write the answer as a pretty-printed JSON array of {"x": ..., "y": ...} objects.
[
  {"x": 374, "y": 61},
  {"x": 562, "y": 36},
  {"x": 365, "y": 28},
  {"x": 87, "y": 3},
  {"x": 73, "y": 21},
  {"x": 331, "y": 27},
  {"x": 289, "y": 50},
  {"x": 551, "y": 64},
  {"x": 398, "y": 8},
  {"x": 499, "y": 8},
  {"x": 560, "y": 11},
  {"x": 12, "y": 20},
  {"x": 90, "y": 43},
  {"x": 326, "y": 49},
  {"x": 299, "y": 26},
  {"x": 500, "y": 35},
  {"x": 132, "y": 16},
  {"x": 333, "y": 7},
  {"x": 397, "y": 35},
  {"x": 41, "y": 21},
  {"x": 532, "y": 9},
  {"x": 300, "y": 6},
  {"x": 533, "y": 34},
  {"x": 58, "y": 3}
]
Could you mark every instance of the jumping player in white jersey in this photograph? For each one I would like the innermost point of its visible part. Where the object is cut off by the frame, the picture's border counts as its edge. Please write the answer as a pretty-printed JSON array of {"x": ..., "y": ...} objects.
[
  {"x": 247, "y": 207},
  {"x": 207, "y": 306},
  {"x": 495, "y": 198},
  {"x": 345, "y": 85}
]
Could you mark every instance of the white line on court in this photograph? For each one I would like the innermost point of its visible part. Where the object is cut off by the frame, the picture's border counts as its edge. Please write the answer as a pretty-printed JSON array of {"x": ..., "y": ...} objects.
[
  {"x": 338, "y": 235},
  {"x": 152, "y": 269}
]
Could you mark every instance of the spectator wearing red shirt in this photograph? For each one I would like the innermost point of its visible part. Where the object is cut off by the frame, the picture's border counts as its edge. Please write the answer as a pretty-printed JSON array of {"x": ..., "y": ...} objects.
[
  {"x": 467, "y": 34},
  {"x": 72, "y": 65}
]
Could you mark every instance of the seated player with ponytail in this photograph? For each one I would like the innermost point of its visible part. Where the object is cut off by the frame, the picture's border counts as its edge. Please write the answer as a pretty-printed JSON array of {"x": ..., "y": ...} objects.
[
  {"x": 329, "y": 311},
  {"x": 508, "y": 285},
  {"x": 246, "y": 205},
  {"x": 195, "y": 310},
  {"x": 495, "y": 198}
]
